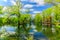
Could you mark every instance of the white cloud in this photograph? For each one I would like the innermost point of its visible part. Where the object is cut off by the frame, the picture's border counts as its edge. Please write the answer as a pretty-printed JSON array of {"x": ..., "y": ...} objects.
[
  {"x": 32, "y": 0},
  {"x": 28, "y": 6},
  {"x": 31, "y": 9},
  {"x": 23, "y": 0},
  {"x": 5, "y": 0},
  {"x": 36, "y": 11},
  {"x": 23, "y": 10},
  {"x": 39, "y": 2},
  {"x": 13, "y": 2}
]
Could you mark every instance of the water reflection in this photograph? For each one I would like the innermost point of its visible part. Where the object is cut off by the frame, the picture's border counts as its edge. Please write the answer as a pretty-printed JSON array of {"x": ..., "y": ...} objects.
[{"x": 9, "y": 31}]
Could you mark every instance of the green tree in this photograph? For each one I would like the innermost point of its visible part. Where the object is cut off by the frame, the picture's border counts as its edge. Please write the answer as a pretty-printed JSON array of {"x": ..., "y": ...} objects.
[
  {"x": 15, "y": 21},
  {"x": 1, "y": 18},
  {"x": 38, "y": 21},
  {"x": 1, "y": 7},
  {"x": 14, "y": 17}
]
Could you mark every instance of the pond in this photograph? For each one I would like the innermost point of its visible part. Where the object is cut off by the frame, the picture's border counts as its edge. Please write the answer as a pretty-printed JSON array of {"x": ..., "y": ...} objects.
[{"x": 9, "y": 30}]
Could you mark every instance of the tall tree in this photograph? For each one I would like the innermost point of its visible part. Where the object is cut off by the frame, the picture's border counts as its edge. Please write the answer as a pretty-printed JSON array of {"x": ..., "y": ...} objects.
[
  {"x": 16, "y": 18},
  {"x": 11, "y": 11},
  {"x": 1, "y": 19}
]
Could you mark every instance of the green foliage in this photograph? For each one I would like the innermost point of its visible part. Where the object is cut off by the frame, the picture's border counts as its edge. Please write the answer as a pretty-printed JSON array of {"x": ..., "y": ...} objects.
[
  {"x": 57, "y": 13},
  {"x": 24, "y": 21},
  {"x": 13, "y": 20},
  {"x": 48, "y": 1},
  {"x": 38, "y": 21},
  {"x": 47, "y": 12},
  {"x": 1, "y": 9},
  {"x": 38, "y": 18},
  {"x": 54, "y": 12},
  {"x": 48, "y": 32},
  {"x": 1, "y": 22},
  {"x": 13, "y": 10},
  {"x": 5, "y": 19},
  {"x": 25, "y": 18},
  {"x": 57, "y": 0},
  {"x": 30, "y": 37}
]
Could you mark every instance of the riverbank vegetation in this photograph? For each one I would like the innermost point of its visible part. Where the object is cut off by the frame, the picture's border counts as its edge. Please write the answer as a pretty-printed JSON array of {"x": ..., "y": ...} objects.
[{"x": 47, "y": 22}]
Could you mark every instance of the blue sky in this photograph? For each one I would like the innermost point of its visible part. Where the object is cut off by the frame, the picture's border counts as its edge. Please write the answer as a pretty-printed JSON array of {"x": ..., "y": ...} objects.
[
  {"x": 35, "y": 6},
  {"x": 6, "y": 2}
]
